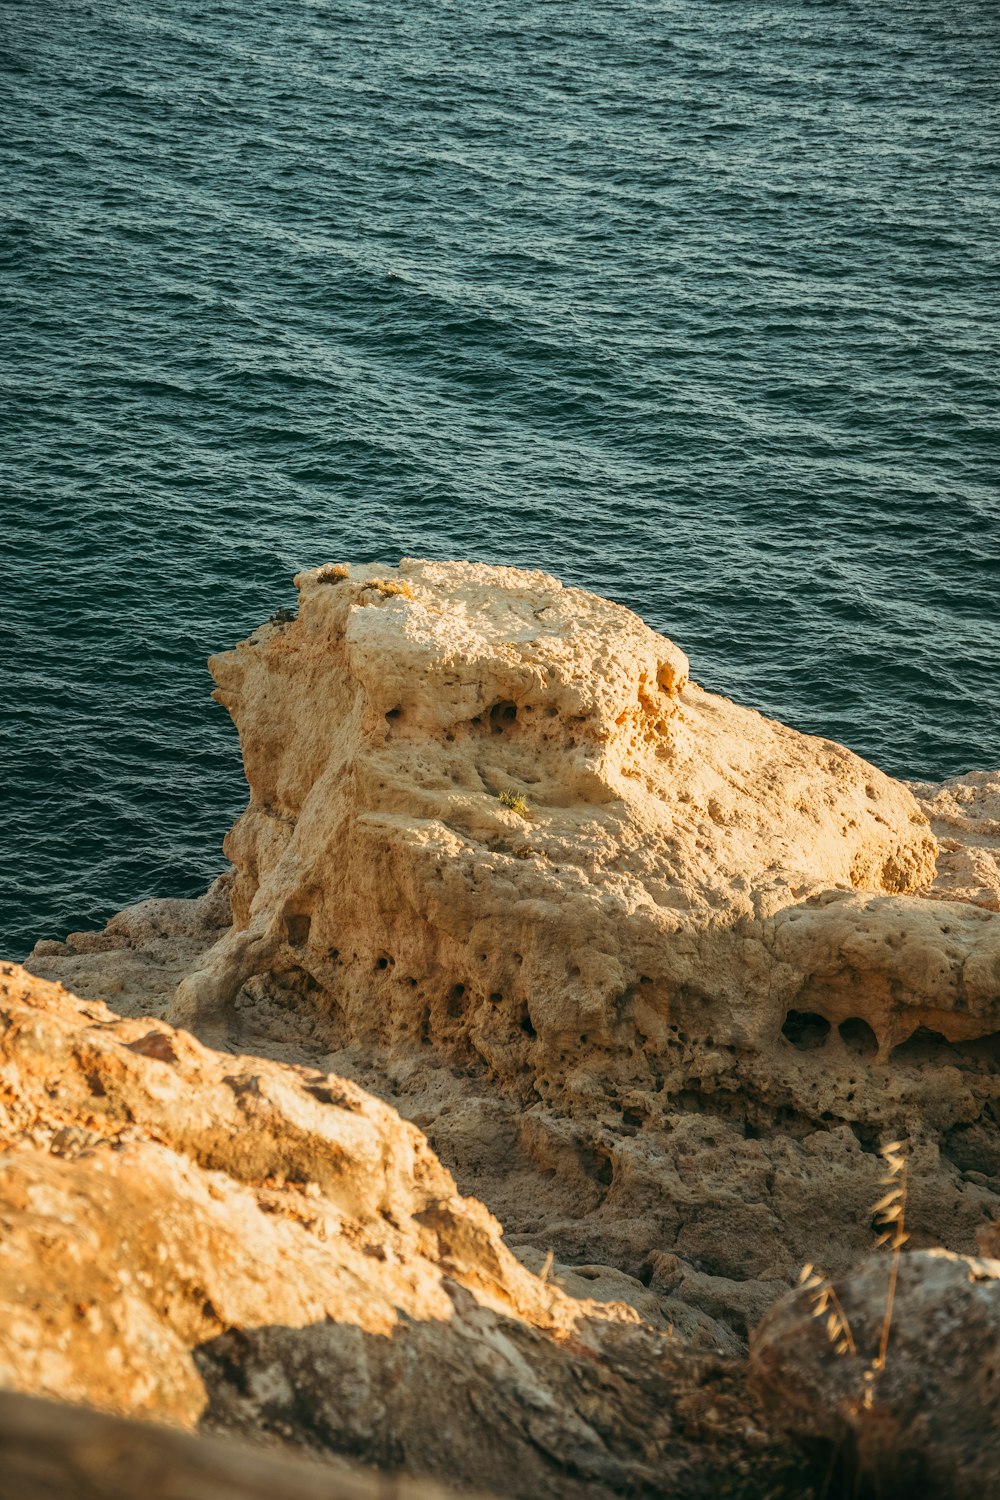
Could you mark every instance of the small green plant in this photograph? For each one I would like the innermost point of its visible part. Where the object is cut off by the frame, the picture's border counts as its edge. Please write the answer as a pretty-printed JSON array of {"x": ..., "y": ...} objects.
[
  {"x": 391, "y": 587},
  {"x": 282, "y": 617},
  {"x": 511, "y": 797},
  {"x": 333, "y": 573}
]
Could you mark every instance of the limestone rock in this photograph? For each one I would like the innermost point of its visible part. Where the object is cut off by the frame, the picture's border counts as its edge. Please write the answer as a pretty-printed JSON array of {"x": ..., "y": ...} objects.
[
  {"x": 928, "y": 1425},
  {"x": 659, "y": 843},
  {"x": 660, "y": 1011},
  {"x": 965, "y": 816},
  {"x": 226, "y": 1242},
  {"x": 143, "y": 953}
]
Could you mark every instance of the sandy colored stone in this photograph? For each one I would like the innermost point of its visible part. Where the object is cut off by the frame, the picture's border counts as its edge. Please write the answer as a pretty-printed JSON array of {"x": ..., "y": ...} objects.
[
  {"x": 658, "y": 1017},
  {"x": 965, "y": 816},
  {"x": 667, "y": 837},
  {"x": 229, "y": 1243},
  {"x": 926, "y": 1425}
]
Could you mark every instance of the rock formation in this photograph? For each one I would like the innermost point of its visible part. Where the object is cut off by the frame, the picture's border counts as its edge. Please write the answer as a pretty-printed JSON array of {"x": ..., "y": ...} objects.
[
  {"x": 928, "y": 1424},
  {"x": 50, "y": 1450},
  {"x": 654, "y": 974},
  {"x": 235, "y": 1244}
]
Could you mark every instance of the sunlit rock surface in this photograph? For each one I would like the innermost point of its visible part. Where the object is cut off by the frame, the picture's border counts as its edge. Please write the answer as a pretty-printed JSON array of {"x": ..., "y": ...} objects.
[
  {"x": 654, "y": 974},
  {"x": 235, "y": 1244}
]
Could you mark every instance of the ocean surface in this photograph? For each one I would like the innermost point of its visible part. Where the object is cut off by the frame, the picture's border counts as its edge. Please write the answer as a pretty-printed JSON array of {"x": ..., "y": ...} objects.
[{"x": 696, "y": 304}]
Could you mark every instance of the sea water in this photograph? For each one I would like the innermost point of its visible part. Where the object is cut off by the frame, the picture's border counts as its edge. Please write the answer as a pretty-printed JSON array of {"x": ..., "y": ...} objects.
[{"x": 693, "y": 303}]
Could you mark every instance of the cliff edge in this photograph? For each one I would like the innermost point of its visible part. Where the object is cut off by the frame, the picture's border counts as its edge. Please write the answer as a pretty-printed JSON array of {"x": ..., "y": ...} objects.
[{"x": 654, "y": 975}]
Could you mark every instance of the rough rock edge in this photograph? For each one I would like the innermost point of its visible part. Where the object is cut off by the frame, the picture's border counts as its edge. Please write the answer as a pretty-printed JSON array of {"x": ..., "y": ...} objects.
[{"x": 233, "y": 1244}]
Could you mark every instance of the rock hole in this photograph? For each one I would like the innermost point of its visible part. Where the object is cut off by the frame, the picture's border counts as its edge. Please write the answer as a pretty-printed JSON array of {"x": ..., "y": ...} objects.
[
  {"x": 394, "y": 713},
  {"x": 805, "y": 1029},
  {"x": 857, "y": 1036},
  {"x": 502, "y": 715},
  {"x": 574, "y": 972},
  {"x": 455, "y": 999},
  {"x": 382, "y": 963},
  {"x": 297, "y": 926},
  {"x": 923, "y": 1045},
  {"x": 526, "y": 1025},
  {"x": 495, "y": 997},
  {"x": 866, "y": 1137},
  {"x": 597, "y": 1164},
  {"x": 632, "y": 1117}
]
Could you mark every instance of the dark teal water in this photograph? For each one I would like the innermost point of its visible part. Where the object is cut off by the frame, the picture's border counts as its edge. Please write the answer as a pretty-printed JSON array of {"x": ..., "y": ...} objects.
[{"x": 693, "y": 303}]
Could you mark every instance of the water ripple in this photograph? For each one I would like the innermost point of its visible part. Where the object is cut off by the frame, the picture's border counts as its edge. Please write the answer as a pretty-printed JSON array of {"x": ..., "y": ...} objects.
[{"x": 693, "y": 303}]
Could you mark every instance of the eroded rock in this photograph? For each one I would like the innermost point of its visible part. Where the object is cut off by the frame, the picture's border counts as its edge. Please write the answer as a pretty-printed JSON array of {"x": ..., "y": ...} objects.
[
  {"x": 928, "y": 1424},
  {"x": 228, "y": 1243},
  {"x": 660, "y": 1011}
]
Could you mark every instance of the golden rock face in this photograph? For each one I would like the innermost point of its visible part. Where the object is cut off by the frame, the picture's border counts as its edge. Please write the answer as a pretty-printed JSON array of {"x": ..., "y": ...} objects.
[
  {"x": 228, "y": 1242},
  {"x": 651, "y": 974}
]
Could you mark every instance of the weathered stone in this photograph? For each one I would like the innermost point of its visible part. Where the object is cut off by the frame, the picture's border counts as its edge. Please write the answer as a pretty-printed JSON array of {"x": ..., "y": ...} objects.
[
  {"x": 50, "y": 1450},
  {"x": 925, "y": 1425},
  {"x": 666, "y": 1010},
  {"x": 230, "y": 1243}
]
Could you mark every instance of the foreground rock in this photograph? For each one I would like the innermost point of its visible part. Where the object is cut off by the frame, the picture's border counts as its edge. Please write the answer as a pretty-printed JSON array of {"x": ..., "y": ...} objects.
[
  {"x": 229, "y": 1243},
  {"x": 653, "y": 973},
  {"x": 48, "y": 1450},
  {"x": 928, "y": 1425}
]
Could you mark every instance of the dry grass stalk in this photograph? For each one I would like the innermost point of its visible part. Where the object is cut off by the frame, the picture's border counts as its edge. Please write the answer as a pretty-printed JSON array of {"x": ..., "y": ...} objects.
[
  {"x": 889, "y": 1214},
  {"x": 890, "y": 1217}
]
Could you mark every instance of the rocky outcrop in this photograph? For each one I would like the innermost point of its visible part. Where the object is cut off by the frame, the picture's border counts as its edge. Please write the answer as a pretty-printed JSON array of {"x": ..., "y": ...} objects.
[
  {"x": 228, "y": 1243},
  {"x": 509, "y": 796},
  {"x": 654, "y": 974},
  {"x": 925, "y": 1425}
]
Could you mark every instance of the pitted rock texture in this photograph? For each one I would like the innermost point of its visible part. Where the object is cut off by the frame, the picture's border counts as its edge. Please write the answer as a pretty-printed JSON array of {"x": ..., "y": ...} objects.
[
  {"x": 227, "y": 1242},
  {"x": 965, "y": 816},
  {"x": 660, "y": 1012},
  {"x": 927, "y": 1426},
  {"x": 677, "y": 863}
]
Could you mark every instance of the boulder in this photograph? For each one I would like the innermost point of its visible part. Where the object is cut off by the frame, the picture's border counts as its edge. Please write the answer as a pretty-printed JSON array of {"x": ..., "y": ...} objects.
[
  {"x": 927, "y": 1424},
  {"x": 228, "y": 1244}
]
